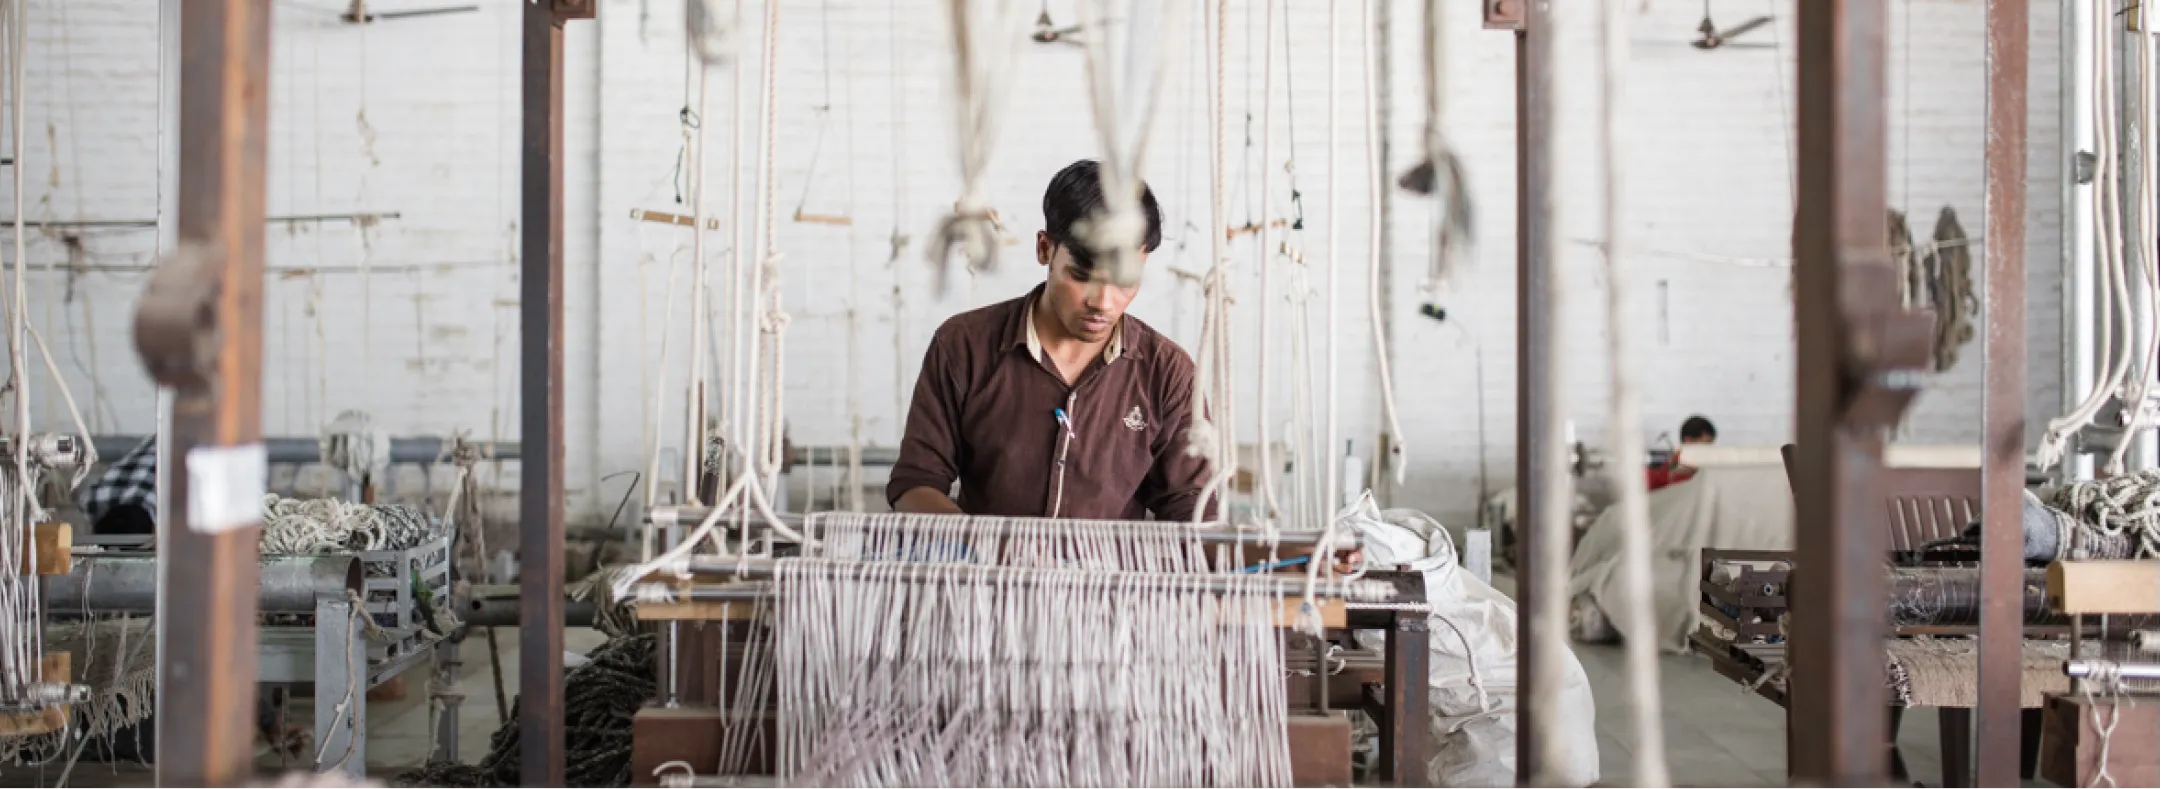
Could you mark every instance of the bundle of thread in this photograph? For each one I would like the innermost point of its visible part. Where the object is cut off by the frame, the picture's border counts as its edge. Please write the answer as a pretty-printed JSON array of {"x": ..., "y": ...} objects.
[{"x": 600, "y": 698}]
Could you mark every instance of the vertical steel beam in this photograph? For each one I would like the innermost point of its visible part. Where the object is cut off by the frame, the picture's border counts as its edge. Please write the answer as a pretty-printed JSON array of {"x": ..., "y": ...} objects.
[
  {"x": 2003, "y": 402},
  {"x": 1853, "y": 381},
  {"x": 199, "y": 331},
  {"x": 540, "y": 358},
  {"x": 1542, "y": 484}
]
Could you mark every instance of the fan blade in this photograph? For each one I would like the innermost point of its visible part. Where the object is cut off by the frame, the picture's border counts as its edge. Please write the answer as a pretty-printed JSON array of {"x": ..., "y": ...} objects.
[{"x": 1746, "y": 26}]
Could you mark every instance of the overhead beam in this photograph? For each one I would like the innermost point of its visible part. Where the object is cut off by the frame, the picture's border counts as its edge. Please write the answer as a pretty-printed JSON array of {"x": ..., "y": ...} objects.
[{"x": 198, "y": 328}]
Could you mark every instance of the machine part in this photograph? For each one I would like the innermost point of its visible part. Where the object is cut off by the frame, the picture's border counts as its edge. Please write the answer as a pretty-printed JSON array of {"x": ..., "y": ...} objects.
[
  {"x": 2096, "y": 669},
  {"x": 51, "y": 450},
  {"x": 763, "y": 569},
  {"x": 669, "y": 516},
  {"x": 38, "y": 696},
  {"x": 341, "y": 686},
  {"x": 424, "y": 449},
  {"x": 127, "y": 583},
  {"x": 497, "y": 606}
]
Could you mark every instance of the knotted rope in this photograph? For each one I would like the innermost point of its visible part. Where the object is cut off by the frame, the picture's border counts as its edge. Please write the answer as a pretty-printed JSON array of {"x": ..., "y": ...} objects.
[
  {"x": 986, "y": 34},
  {"x": 352, "y": 443},
  {"x": 1124, "y": 89}
]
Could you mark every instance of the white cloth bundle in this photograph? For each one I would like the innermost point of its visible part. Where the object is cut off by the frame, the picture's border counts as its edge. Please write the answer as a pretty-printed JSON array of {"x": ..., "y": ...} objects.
[{"x": 1472, "y": 673}]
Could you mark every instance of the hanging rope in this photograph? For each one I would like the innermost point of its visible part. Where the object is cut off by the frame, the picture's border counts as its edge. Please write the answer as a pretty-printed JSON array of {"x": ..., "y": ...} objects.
[
  {"x": 1395, "y": 453},
  {"x": 1124, "y": 93},
  {"x": 1212, "y": 384},
  {"x": 1440, "y": 174},
  {"x": 2119, "y": 280},
  {"x": 986, "y": 34}
]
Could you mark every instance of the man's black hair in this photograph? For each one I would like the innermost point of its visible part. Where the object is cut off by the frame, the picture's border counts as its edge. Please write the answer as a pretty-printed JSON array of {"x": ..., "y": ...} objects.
[
  {"x": 1698, "y": 427},
  {"x": 1074, "y": 196}
]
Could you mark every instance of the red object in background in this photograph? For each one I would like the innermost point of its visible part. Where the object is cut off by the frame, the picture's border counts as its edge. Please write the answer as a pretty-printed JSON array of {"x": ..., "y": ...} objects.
[{"x": 1668, "y": 474}]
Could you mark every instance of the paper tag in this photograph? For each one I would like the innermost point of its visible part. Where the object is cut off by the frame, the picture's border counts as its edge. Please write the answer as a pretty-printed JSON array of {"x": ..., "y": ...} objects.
[{"x": 226, "y": 487}]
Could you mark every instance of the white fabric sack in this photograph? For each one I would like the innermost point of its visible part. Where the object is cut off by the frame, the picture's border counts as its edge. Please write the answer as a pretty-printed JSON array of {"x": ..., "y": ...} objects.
[
  {"x": 1736, "y": 508},
  {"x": 1471, "y": 677}
]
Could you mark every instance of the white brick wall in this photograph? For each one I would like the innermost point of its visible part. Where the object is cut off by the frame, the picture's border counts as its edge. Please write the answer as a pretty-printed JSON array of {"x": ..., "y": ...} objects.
[{"x": 428, "y": 343}]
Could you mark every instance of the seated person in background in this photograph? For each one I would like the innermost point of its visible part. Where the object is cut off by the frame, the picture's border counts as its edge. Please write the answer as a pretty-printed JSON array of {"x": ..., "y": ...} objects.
[{"x": 1695, "y": 430}]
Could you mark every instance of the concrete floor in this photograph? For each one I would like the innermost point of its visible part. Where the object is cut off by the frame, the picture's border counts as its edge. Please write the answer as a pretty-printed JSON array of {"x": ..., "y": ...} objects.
[{"x": 1716, "y": 733}]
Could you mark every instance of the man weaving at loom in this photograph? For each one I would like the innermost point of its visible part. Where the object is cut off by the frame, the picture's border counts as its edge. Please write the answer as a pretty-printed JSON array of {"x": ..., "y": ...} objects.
[{"x": 1055, "y": 404}]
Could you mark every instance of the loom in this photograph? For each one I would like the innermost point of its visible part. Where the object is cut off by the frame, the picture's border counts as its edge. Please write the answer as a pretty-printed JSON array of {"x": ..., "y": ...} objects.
[{"x": 717, "y": 609}]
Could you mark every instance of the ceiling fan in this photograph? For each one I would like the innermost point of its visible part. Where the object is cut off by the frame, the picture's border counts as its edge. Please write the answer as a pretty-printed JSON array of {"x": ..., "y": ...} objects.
[
  {"x": 1049, "y": 32},
  {"x": 1710, "y": 37},
  {"x": 359, "y": 14}
]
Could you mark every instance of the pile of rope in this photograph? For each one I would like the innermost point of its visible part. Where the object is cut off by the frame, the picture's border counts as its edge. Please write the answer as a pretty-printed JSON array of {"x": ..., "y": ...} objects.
[
  {"x": 305, "y": 526},
  {"x": 600, "y": 698},
  {"x": 2113, "y": 510}
]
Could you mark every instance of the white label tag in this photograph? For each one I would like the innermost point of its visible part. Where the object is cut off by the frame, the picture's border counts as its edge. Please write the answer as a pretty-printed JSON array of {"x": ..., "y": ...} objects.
[{"x": 226, "y": 487}]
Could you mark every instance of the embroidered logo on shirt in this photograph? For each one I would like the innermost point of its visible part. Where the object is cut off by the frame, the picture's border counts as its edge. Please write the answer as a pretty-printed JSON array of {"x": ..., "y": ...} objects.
[{"x": 1134, "y": 421}]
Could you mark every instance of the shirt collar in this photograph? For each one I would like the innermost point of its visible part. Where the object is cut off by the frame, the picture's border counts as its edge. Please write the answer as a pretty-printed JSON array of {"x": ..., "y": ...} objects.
[{"x": 1111, "y": 350}]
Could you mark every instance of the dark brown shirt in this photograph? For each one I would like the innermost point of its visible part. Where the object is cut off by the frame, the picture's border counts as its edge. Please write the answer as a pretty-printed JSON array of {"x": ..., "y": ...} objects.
[{"x": 985, "y": 413}]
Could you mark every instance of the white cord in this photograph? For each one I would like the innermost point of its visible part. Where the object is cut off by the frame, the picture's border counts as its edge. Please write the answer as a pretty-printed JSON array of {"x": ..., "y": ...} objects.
[{"x": 1395, "y": 455}]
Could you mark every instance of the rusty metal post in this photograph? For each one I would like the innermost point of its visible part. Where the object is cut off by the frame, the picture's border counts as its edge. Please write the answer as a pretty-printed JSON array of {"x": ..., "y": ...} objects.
[
  {"x": 1857, "y": 367},
  {"x": 2003, "y": 402},
  {"x": 540, "y": 356},
  {"x": 198, "y": 329}
]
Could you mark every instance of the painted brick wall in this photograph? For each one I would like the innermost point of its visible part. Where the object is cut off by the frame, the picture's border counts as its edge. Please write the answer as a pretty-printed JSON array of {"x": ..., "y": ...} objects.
[{"x": 420, "y": 117}]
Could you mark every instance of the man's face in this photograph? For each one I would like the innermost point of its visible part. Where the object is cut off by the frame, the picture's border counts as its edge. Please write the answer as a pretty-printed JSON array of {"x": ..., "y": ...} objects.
[
  {"x": 1086, "y": 307},
  {"x": 1695, "y": 439}
]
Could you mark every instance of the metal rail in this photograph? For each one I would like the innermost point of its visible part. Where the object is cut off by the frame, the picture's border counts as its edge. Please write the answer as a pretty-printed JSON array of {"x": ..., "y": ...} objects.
[
  {"x": 765, "y": 569},
  {"x": 692, "y": 515},
  {"x": 124, "y": 583},
  {"x": 421, "y": 449}
]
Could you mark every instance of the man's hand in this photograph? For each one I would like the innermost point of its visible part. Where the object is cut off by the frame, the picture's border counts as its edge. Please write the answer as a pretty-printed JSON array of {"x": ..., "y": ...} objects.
[{"x": 926, "y": 501}]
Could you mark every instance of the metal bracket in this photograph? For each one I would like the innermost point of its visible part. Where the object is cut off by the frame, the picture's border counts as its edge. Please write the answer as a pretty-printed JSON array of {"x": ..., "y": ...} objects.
[
  {"x": 1503, "y": 14},
  {"x": 176, "y": 323}
]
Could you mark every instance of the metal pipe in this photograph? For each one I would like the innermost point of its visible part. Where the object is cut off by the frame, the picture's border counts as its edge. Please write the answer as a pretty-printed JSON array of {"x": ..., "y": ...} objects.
[
  {"x": 112, "y": 584},
  {"x": 498, "y": 606},
  {"x": 419, "y": 449},
  {"x": 1290, "y": 586},
  {"x": 2003, "y": 413},
  {"x": 1541, "y": 458},
  {"x": 2082, "y": 669},
  {"x": 2079, "y": 309}
]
